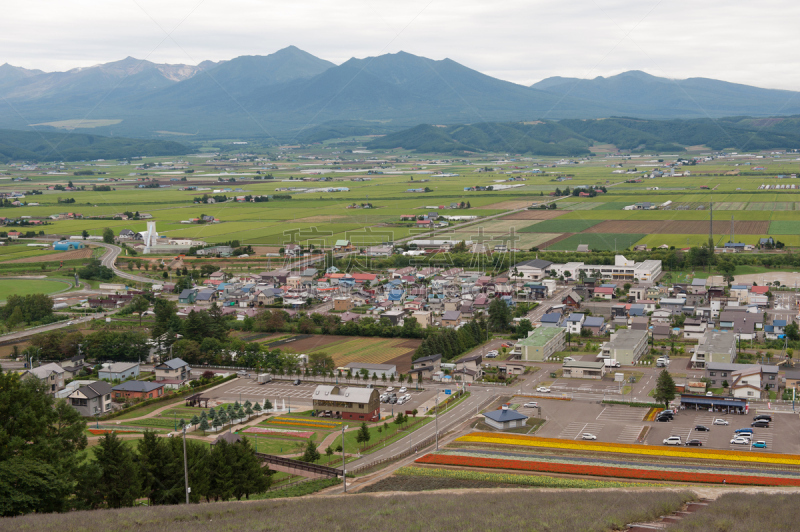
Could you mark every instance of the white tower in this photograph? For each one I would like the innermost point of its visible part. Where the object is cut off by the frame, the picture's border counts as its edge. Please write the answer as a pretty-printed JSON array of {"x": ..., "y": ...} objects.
[{"x": 150, "y": 236}]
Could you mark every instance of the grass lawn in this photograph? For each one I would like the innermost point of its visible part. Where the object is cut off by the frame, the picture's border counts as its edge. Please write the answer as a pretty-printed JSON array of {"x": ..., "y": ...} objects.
[
  {"x": 22, "y": 287},
  {"x": 392, "y": 434}
]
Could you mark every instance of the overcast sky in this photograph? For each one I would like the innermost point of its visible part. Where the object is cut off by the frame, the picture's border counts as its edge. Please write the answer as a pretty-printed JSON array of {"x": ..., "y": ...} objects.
[{"x": 522, "y": 41}]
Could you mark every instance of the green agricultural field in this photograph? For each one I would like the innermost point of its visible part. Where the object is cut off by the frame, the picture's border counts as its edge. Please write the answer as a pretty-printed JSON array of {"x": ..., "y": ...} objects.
[
  {"x": 784, "y": 228},
  {"x": 598, "y": 241},
  {"x": 24, "y": 287},
  {"x": 561, "y": 226}
]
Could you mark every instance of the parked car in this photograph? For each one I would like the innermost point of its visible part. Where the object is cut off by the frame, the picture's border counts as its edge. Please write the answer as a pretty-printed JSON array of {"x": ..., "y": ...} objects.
[
  {"x": 507, "y": 344},
  {"x": 663, "y": 419},
  {"x": 760, "y": 424},
  {"x": 741, "y": 431},
  {"x": 765, "y": 417},
  {"x": 694, "y": 443},
  {"x": 393, "y": 400},
  {"x": 491, "y": 355},
  {"x": 532, "y": 404},
  {"x": 673, "y": 440},
  {"x": 588, "y": 436},
  {"x": 543, "y": 389},
  {"x": 702, "y": 428},
  {"x": 390, "y": 389},
  {"x": 740, "y": 441},
  {"x": 721, "y": 422},
  {"x": 296, "y": 382},
  {"x": 567, "y": 359},
  {"x": 403, "y": 389},
  {"x": 760, "y": 444}
]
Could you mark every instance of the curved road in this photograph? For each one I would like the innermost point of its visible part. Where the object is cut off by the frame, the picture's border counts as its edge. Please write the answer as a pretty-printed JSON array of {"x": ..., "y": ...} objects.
[{"x": 110, "y": 258}]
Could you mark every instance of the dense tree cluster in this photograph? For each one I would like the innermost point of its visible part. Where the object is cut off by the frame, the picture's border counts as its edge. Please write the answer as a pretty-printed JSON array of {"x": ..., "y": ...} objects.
[
  {"x": 95, "y": 270},
  {"x": 34, "y": 308},
  {"x": 451, "y": 343}
]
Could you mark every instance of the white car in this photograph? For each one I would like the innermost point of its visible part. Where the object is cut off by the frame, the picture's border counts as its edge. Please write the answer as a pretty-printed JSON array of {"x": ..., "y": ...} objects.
[
  {"x": 740, "y": 441},
  {"x": 568, "y": 359},
  {"x": 673, "y": 440},
  {"x": 721, "y": 422},
  {"x": 543, "y": 389},
  {"x": 403, "y": 389},
  {"x": 588, "y": 436},
  {"x": 389, "y": 389},
  {"x": 491, "y": 355},
  {"x": 532, "y": 404}
]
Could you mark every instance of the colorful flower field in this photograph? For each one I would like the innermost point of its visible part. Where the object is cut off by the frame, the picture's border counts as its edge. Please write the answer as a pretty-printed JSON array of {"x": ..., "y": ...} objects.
[
  {"x": 627, "y": 448},
  {"x": 278, "y": 432},
  {"x": 510, "y": 478},
  {"x": 652, "y": 413},
  {"x": 107, "y": 431},
  {"x": 640, "y": 473},
  {"x": 302, "y": 423}
]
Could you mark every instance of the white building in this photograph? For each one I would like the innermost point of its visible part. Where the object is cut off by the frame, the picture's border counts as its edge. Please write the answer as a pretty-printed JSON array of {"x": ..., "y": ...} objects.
[{"x": 622, "y": 269}]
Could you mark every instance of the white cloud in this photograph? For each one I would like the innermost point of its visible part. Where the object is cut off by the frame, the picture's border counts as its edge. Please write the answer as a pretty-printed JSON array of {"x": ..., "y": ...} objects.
[{"x": 518, "y": 40}]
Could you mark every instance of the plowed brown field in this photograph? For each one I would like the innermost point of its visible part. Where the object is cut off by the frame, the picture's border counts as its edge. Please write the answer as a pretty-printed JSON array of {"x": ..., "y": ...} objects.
[
  {"x": 510, "y": 205},
  {"x": 679, "y": 227},
  {"x": 536, "y": 214},
  {"x": 84, "y": 253}
]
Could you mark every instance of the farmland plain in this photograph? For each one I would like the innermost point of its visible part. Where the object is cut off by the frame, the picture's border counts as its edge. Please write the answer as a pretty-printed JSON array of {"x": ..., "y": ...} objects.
[{"x": 328, "y": 193}]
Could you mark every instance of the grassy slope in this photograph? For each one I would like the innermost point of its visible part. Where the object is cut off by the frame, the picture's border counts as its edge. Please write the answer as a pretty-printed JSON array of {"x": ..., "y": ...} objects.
[{"x": 467, "y": 511}]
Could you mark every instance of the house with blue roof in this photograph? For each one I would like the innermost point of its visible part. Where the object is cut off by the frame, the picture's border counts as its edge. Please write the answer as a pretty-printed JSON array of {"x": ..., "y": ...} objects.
[
  {"x": 552, "y": 319},
  {"x": 575, "y": 322},
  {"x": 776, "y": 331},
  {"x": 596, "y": 324},
  {"x": 637, "y": 311},
  {"x": 505, "y": 419},
  {"x": 187, "y": 297}
]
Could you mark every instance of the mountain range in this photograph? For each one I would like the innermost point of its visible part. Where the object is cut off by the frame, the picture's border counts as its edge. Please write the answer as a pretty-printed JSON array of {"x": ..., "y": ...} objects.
[{"x": 293, "y": 95}]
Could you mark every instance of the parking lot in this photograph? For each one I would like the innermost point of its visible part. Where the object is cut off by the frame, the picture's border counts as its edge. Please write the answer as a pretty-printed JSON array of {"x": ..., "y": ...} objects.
[
  {"x": 282, "y": 393},
  {"x": 624, "y": 424}
]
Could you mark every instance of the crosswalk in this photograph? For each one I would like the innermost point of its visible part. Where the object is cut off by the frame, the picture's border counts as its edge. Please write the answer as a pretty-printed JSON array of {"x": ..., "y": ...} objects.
[
  {"x": 629, "y": 434},
  {"x": 621, "y": 413},
  {"x": 575, "y": 430}
]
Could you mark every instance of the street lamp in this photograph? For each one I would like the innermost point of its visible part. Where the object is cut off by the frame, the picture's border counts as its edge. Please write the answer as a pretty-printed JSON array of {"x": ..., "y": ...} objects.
[{"x": 344, "y": 472}]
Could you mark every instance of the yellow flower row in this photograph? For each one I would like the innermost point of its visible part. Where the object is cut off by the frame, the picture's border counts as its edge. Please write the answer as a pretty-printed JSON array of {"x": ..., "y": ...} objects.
[
  {"x": 531, "y": 441},
  {"x": 331, "y": 423}
]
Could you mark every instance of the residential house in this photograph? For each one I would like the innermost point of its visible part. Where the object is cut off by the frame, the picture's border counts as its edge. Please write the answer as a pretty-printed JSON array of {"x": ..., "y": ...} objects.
[
  {"x": 793, "y": 381},
  {"x": 746, "y": 325},
  {"x": 551, "y": 319},
  {"x": 694, "y": 328},
  {"x": 73, "y": 366},
  {"x": 91, "y": 399},
  {"x": 575, "y": 323},
  {"x": 746, "y": 383},
  {"x": 673, "y": 304},
  {"x": 206, "y": 297},
  {"x": 572, "y": 300},
  {"x": 720, "y": 374},
  {"x": 52, "y": 375},
  {"x": 173, "y": 369},
  {"x": 119, "y": 371},
  {"x": 451, "y": 318},
  {"x": 426, "y": 366},
  {"x": 138, "y": 390},
  {"x": 423, "y": 317},
  {"x": 187, "y": 297},
  {"x": 595, "y": 324},
  {"x": 381, "y": 370},
  {"x": 775, "y": 331},
  {"x": 604, "y": 292},
  {"x": 639, "y": 323},
  {"x": 343, "y": 245},
  {"x": 342, "y": 304},
  {"x": 292, "y": 250},
  {"x": 662, "y": 332}
]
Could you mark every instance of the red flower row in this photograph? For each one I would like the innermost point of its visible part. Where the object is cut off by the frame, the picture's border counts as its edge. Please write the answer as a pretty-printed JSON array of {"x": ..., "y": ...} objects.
[{"x": 604, "y": 471}]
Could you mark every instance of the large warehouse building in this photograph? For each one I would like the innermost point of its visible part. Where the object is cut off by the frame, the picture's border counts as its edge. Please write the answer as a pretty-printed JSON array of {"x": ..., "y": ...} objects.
[{"x": 362, "y": 404}]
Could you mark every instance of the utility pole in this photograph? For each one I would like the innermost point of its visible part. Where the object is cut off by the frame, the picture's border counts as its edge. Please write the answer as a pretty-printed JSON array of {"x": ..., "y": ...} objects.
[
  {"x": 344, "y": 471},
  {"x": 185, "y": 466},
  {"x": 437, "y": 420}
]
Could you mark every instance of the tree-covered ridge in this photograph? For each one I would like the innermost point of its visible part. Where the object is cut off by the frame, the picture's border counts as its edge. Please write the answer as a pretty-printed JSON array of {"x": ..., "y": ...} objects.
[
  {"x": 575, "y": 137},
  {"x": 50, "y": 146}
]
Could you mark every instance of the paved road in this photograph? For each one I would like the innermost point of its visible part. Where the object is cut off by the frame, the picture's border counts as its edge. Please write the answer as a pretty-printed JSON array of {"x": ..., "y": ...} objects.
[{"x": 110, "y": 258}]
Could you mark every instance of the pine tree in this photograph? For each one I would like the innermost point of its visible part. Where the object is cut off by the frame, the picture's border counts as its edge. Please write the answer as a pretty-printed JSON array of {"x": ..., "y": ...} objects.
[
  {"x": 665, "y": 388},
  {"x": 119, "y": 479},
  {"x": 257, "y": 408},
  {"x": 267, "y": 405},
  {"x": 363, "y": 435},
  {"x": 194, "y": 421},
  {"x": 248, "y": 475},
  {"x": 311, "y": 454},
  {"x": 204, "y": 425}
]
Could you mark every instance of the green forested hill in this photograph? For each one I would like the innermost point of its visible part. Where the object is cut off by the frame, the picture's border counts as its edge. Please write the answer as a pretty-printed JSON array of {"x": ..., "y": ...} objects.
[
  {"x": 49, "y": 146},
  {"x": 574, "y": 137}
]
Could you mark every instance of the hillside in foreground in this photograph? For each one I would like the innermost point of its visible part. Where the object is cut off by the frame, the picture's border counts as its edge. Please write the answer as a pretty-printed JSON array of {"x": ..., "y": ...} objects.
[{"x": 496, "y": 510}]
